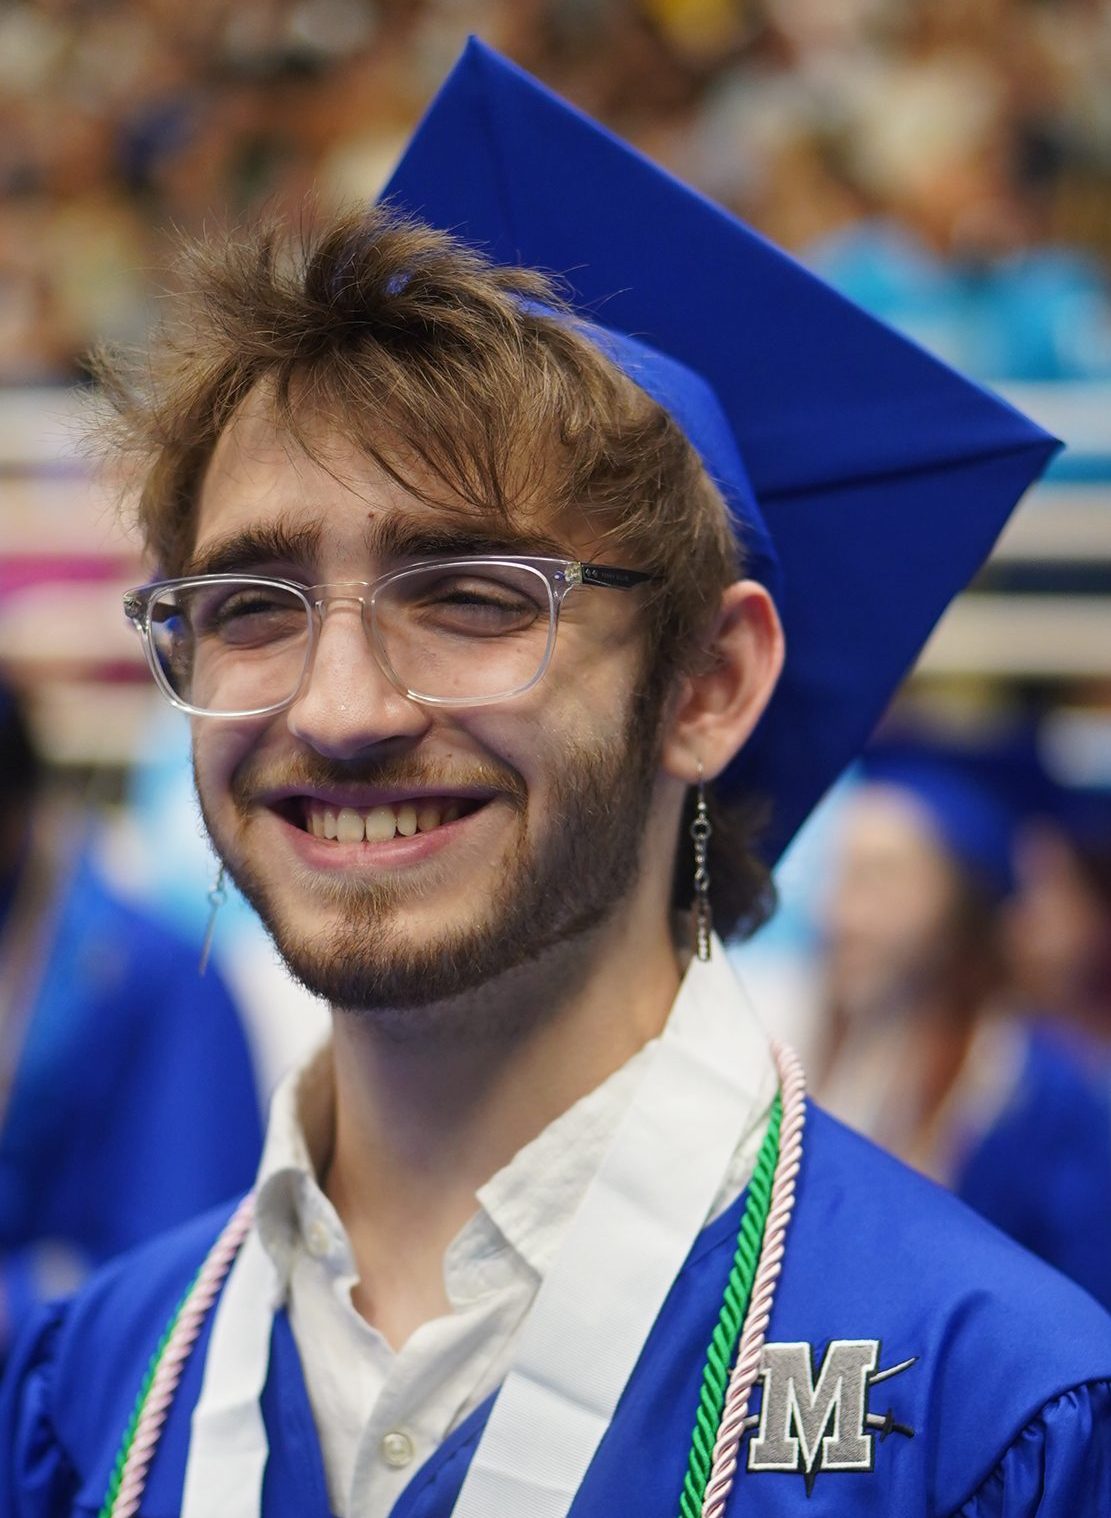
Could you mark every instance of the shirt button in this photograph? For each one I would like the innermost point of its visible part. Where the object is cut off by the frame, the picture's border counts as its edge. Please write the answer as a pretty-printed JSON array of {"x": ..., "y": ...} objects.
[
  {"x": 397, "y": 1449},
  {"x": 318, "y": 1239}
]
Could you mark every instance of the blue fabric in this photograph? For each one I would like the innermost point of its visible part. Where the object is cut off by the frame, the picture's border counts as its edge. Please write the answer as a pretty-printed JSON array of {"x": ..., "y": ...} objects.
[
  {"x": 978, "y": 789},
  {"x": 970, "y": 822},
  {"x": 1009, "y": 1399},
  {"x": 1058, "y": 1464},
  {"x": 1042, "y": 1171},
  {"x": 134, "y": 1103},
  {"x": 1084, "y": 813},
  {"x": 883, "y": 478}
]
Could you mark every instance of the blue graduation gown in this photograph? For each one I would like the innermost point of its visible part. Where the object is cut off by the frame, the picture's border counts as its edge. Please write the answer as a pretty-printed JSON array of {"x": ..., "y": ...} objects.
[
  {"x": 133, "y": 1104},
  {"x": 1005, "y": 1411},
  {"x": 1042, "y": 1171}
]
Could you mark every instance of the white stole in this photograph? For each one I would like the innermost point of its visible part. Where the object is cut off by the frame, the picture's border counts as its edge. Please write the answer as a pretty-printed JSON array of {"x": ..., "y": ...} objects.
[{"x": 708, "y": 1083}]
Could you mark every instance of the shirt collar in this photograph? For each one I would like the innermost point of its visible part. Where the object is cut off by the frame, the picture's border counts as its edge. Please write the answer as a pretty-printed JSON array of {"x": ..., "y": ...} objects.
[
  {"x": 298, "y": 1143},
  {"x": 525, "y": 1205}
]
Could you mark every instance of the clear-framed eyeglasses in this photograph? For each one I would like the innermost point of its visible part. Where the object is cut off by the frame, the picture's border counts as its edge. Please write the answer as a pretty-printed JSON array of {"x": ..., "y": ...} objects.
[{"x": 461, "y": 631}]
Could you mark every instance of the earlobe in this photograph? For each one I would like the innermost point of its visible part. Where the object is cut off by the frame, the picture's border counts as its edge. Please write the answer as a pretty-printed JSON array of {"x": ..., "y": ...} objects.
[{"x": 719, "y": 702}]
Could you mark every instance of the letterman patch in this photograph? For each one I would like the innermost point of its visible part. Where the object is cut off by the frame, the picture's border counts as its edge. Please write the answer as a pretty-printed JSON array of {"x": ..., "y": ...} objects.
[{"x": 815, "y": 1415}]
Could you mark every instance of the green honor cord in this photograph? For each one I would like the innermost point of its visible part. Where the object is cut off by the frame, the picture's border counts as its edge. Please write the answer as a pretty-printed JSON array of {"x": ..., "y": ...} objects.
[
  {"x": 140, "y": 1437},
  {"x": 128, "y": 1439},
  {"x": 727, "y": 1330},
  {"x": 164, "y": 1370}
]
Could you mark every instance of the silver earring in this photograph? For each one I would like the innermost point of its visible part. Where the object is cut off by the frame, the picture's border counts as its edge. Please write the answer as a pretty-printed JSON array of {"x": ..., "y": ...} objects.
[
  {"x": 701, "y": 831},
  {"x": 216, "y": 898}
]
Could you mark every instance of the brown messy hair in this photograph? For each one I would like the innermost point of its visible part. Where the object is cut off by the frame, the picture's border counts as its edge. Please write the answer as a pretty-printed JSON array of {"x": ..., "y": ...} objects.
[{"x": 438, "y": 365}]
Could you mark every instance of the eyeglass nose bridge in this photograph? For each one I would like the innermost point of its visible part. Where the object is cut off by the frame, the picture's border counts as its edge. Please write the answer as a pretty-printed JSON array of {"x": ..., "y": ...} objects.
[
  {"x": 360, "y": 593},
  {"x": 321, "y": 597}
]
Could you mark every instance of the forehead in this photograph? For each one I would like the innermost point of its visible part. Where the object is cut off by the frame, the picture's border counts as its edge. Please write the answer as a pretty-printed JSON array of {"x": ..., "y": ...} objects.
[
  {"x": 260, "y": 471},
  {"x": 318, "y": 491},
  {"x": 890, "y": 822}
]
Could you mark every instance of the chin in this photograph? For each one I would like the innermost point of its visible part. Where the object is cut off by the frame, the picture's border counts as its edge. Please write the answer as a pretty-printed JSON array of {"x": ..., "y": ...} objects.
[{"x": 380, "y": 950}]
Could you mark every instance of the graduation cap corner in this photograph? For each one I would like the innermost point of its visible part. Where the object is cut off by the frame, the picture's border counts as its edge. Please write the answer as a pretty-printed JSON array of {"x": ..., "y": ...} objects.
[{"x": 869, "y": 480}]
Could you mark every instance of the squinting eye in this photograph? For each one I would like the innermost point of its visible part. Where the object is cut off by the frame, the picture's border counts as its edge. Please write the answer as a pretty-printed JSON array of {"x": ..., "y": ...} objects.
[
  {"x": 473, "y": 607},
  {"x": 249, "y": 617}
]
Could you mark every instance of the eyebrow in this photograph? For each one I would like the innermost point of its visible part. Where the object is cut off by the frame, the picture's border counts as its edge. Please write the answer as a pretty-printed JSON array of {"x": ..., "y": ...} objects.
[
  {"x": 255, "y": 547},
  {"x": 389, "y": 540}
]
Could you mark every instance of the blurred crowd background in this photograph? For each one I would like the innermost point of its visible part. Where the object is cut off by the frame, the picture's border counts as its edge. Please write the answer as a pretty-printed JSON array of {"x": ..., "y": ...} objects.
[
  {"x": 973, "y": 141},
  {"x": 947, "y": 163}
]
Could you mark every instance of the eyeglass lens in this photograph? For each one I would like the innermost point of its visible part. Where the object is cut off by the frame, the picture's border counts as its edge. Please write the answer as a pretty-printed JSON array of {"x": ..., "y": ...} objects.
[{"x": 451, "y": 633}]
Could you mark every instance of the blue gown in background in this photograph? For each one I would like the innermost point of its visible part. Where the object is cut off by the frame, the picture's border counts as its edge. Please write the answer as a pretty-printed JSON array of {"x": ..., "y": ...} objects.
[
  {"x": 997, "y": 1405},
  {"x": 1042, "y": 1170},
  {"x": 132, "y": 1103}
]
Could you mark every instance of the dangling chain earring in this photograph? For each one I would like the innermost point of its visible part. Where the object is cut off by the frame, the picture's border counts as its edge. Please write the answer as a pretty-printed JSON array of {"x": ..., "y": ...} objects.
[
  {"x": 701, "y": 830},
  {"x": 216, "y": 898}
]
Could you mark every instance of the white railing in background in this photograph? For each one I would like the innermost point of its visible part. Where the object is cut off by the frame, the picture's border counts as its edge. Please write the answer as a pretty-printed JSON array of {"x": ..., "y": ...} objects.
[
  {"x": 65, "y": 558},
  {"x": 1065, "y": 521}
]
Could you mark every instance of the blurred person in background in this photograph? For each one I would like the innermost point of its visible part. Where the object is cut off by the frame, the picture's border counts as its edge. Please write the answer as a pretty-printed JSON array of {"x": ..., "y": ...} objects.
[
  {"x": 127, "y": 1097},
  {"x": 925, "y": 1046},
  {"x": 1059, "y": 938}
]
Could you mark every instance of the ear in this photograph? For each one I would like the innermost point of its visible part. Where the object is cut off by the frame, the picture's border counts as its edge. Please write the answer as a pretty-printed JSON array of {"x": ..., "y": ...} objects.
[{"x": 717, "y": 705}]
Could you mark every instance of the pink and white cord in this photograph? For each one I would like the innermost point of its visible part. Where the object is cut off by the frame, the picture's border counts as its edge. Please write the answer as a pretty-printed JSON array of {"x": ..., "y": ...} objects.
[
  {"x": 741, "y": 1382},
  {"x": 172, "y": 1362},
  {"x": 792, "y": 1086}
]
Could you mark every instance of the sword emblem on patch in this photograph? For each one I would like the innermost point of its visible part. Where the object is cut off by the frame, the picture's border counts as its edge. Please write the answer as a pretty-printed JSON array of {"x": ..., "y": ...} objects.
[{"x": 815, "y": 1415}]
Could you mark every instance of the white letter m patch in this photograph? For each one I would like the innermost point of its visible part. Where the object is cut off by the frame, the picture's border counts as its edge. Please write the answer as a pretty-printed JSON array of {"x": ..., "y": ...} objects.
[{"x": 815, "y": 1418}]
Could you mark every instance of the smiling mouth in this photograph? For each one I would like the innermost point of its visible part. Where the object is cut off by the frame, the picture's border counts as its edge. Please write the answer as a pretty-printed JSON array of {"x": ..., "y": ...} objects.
[{"x": 380, "y": 823}]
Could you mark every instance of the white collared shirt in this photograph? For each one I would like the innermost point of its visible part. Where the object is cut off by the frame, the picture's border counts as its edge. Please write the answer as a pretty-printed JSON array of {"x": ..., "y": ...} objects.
[{"x": 380, "y": 1413}]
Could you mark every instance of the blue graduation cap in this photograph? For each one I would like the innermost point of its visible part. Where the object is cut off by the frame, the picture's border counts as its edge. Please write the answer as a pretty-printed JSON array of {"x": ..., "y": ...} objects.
[
  {"x": 976, "y": 794},
  {"x": 981, "y": 790},
  {"x": 868, "y": 480}
]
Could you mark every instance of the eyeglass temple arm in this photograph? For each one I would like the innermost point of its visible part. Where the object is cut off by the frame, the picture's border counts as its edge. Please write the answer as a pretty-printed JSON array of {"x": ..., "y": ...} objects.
[
  {"x": 135, "y": 604},
  {"x": 614, "y": 579}
]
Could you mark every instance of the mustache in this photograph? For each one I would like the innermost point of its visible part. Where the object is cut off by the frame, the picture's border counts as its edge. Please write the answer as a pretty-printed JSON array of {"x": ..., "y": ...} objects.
[{"x": 304, "y": 772}]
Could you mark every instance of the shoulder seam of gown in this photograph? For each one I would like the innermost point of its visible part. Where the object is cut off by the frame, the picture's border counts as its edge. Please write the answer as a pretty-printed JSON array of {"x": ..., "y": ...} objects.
[{"x": 1069, "y": 1391}]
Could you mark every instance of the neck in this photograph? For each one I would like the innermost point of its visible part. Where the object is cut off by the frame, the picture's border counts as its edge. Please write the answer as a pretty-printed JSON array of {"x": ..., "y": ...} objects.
[{"x": 422, "y": 1122}]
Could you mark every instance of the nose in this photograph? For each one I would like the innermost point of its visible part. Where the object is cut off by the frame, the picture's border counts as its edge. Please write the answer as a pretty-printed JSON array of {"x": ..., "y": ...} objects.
[{"x": 346, "y": 703}]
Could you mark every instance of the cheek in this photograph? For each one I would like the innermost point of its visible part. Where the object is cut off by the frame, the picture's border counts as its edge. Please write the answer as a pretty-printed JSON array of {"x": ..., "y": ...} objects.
[
  {"x": 538, "y": 735},
  {"x": 218, "y": 749}
]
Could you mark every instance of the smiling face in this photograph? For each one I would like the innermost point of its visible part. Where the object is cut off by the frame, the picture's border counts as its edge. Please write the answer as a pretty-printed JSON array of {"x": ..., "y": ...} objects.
[{"x": 401, "y": 853}]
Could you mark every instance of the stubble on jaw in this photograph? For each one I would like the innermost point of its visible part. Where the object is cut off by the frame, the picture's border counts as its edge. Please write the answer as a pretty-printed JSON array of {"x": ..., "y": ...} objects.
[{"x": 550, "y": 893}]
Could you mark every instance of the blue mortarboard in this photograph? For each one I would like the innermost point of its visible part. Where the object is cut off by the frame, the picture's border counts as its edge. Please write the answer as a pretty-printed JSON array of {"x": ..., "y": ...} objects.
[
  {"x": 882, "y": 478},
  {"x": 975, "y": 797},
  {"x": 982, "y": 790}
]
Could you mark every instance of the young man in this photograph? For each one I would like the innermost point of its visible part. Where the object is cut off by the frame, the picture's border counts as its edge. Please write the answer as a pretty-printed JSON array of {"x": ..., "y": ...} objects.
[{"x": 473, "y": 607}]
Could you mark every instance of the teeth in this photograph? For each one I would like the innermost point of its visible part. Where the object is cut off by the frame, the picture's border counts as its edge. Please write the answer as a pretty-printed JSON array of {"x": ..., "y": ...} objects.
[
  {"x": 380, "y": 823},
  {"x": 349, "y": 826}
]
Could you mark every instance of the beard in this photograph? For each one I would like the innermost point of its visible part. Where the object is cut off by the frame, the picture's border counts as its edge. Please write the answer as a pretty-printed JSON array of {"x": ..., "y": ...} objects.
[{"x": 564, "y": 884}]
